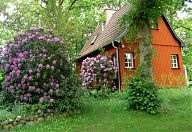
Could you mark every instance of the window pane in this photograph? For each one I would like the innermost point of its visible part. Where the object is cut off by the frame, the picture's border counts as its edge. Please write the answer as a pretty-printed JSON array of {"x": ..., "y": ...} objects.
[{"x": 126, "y": 64}]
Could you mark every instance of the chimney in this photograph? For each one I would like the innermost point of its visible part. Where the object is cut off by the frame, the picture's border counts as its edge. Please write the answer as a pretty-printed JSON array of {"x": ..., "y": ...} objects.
[{"x": 108, "y": 14}]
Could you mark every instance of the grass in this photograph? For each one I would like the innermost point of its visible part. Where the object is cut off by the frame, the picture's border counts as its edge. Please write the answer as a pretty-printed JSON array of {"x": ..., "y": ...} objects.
[
  {"x": 109, "y": 116},
  {"x": 5, "y": 114}
]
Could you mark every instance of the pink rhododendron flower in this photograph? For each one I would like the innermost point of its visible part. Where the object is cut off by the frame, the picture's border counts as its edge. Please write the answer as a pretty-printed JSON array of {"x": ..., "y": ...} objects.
[
  {"x": 38, "y": 74},
  {"x": 30, "y": 71},
  {"x": 48, "y": 110},
  {"x": 25, "y": 76},
  {"x": 28, "y": 94},
  {"x": 30, "y": 77},
  {"x": 41, "y": 99},
  {"x": 57, "y": 90},
  {"x": 30, "y": 37},
  {"x": 51, "y": 91},
  {"x": 39, "y": 111},
  {"x": 48, "y": 66},
  {"x": 54, "y": 62},
  {"x": 57, "y": 85},
  {"x": 31, "y": 87},
  {"x": 56, "y": 39},
  {"x": 51, "y": 83},
  {"x": 21, "y": 55},
  {"x": 42, "y": 37},
  {"x": 40, "y": 65}
]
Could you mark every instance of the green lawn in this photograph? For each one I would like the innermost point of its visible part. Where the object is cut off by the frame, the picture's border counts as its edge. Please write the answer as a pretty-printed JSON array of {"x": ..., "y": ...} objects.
[{"x": 109, "y": 116}]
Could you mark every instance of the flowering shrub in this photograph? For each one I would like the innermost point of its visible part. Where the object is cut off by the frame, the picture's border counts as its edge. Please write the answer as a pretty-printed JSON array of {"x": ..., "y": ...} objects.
[
  {"x": 97, "y": 71},
  {"x": 37, "y": 71}
]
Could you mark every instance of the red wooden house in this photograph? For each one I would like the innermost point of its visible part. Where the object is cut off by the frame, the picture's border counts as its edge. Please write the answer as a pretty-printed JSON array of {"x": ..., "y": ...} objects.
[{"x": 167, "y": 63}]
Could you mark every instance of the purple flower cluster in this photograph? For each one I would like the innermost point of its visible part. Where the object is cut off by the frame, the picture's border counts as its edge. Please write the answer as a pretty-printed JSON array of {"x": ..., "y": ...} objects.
[
  {"x": 97, "y": 71},
  {"x": 35, "y": 67},
  {"x": 35, "y": 33}
]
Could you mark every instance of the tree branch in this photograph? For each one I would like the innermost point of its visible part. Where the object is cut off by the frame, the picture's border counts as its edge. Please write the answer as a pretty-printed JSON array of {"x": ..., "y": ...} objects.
[
  {"x": 180, "y": 26},
  {"x": 60, "y": 4},
  {"x": 72, "y": 4}
]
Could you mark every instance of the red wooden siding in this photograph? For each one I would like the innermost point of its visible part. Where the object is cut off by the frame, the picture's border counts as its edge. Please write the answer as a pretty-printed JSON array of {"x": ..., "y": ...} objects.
[
  {"x": 127, "y": 49},
  {"x": 165, "y": 45},
  {"x": 164, "y": 74}
]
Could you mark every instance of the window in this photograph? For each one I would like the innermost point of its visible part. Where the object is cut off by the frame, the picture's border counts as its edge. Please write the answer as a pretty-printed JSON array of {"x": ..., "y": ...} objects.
[
  {"x": 154, "y": 24},
  {"x": 129, "y": 60},
  {"x": 174, "y": 61},
  {"x": 115, "y": 61},
  {"x": 94, "y": 39}
]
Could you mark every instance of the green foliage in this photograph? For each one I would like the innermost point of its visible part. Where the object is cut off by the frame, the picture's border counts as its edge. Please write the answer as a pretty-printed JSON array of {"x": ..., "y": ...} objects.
[
  {"x": 1, "y": 78},
  {"x": 142, "y": 95},
  {"x": 142, "y": 11},
  {"x": 19, "y": 109},
  {"x": 4, "y": 114},
  {"x": 183, "y": 29},
  {"x": 102, "y": 93},
  {"x": 121, "y": 95}
]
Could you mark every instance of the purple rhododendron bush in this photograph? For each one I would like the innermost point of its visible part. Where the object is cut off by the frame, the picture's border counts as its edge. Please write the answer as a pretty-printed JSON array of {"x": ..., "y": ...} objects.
[
  {"x": 97, "y": 71},
  {"x": 38, "y": 72}
]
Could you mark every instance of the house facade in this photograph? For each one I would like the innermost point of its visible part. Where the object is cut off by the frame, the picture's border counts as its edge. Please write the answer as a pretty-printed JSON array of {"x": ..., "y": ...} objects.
[{"x": 167, "y": 59}]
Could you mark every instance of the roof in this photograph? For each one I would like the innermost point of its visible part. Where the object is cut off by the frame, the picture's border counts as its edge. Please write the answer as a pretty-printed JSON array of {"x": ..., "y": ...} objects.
[
  {"x": 111, "y": 31},
  {"x": 105, "y": 37}
]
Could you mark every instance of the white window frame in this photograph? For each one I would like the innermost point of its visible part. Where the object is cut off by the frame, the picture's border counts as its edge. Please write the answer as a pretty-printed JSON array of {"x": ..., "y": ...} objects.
[
  {"x": 174, "y": 61},
  {"x": 128, "y": 58}
]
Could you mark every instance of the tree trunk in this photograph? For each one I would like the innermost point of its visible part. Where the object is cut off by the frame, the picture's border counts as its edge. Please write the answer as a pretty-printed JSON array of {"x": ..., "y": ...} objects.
[{"x": 145, "y": 50}]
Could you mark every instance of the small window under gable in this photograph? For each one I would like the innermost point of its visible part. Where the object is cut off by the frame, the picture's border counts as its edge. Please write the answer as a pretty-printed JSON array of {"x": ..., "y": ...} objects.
[
  {"x": 129, "y": 60},
  {"x": 94, "y": 39},
  {"x": 174, "y": 61},
  {"x": 154, "y": 24}
]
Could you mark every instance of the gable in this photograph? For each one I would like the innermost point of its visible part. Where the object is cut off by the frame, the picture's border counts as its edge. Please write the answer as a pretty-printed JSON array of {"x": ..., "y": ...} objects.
[{"x": 165, "y": 34}]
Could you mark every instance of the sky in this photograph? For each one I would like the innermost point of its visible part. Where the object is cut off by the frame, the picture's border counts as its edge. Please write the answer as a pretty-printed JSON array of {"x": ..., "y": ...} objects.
[{"x": 181, "y": 14}]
